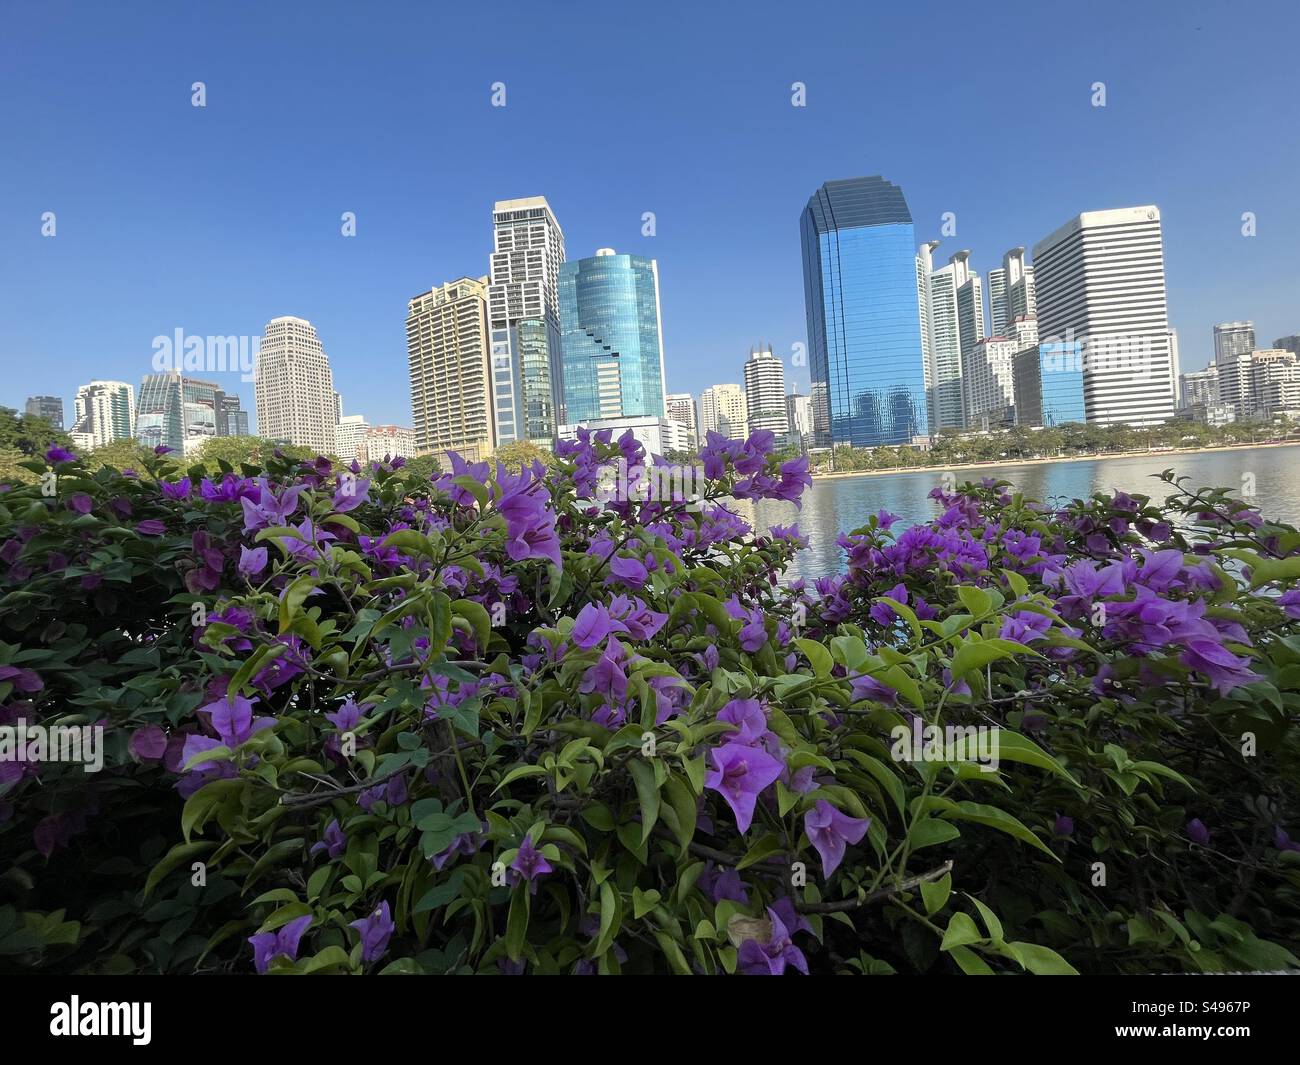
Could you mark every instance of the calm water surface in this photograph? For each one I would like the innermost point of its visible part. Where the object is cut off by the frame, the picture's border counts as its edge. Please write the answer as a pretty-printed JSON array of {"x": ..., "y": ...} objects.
[{"x": 833, "y": 505}]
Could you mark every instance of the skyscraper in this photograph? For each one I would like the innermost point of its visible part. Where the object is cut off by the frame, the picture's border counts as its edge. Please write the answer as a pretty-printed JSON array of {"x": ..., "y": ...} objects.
[
  {"x": 723, "y": 409},
  {"x": 1100, "y": 281},
  {"x": 105, "y": 411},
  {"x": 232, "y": 419},
  {"x": 294, "y": 389},
  {"x": 952, "y": 323},
  {"x": 1233, "y": 343},
  {"x": 1291, "y": 344},
  {"x": 765, "y": 392},
  {"x": 1011, "y": 292},
  {"x": 447, "y": 357},
  {"x": 48, "y": 407},
  {"x": 524, "y": 316},
  {"x": 180, "y": 412},
  {"x": 864, "y": 320},
  {"x": 798, "y": 411},
  {"x": 613, "y": 353}
]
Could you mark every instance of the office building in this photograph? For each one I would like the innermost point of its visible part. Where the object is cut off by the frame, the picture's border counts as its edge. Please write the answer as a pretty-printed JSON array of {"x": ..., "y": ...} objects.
[{"x": 294, "y": 390}]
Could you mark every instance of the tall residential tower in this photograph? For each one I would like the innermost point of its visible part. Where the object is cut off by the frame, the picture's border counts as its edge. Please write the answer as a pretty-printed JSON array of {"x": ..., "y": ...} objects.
[{"x": 524, "y": 318}]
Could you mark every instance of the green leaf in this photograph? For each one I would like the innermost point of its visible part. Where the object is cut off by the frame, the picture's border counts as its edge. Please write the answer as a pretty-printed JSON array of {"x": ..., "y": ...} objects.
[
  {"x": 818, "y": 657},
  {"x": 647, "y": 790},
  {"x": 476, "y": 614},
  {"x": 935, "y": 894},
  {"x": 970, "y": 962},
  {"x": 293, "y": 598},
  {"x": 517, "y": 922},
  {"x": 992, "y": 817},
  {"x": 178, "y": 855},
  {"x": 961, "y": 931},
  {"x": 1042, "y": 961},
  {"x": 764, "y": 848}
]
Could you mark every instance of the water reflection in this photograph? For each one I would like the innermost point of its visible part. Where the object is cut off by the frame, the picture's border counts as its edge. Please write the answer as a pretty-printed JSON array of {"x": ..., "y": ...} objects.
[{"x": 834, "y": 505}]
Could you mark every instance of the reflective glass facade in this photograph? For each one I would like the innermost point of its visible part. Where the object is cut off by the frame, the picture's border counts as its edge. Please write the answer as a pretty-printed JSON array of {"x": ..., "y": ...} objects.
[
  {"x": 609, "y": 335},
  {"x": 1049, "y": 385},
  {"x": 864, "y": 320}
]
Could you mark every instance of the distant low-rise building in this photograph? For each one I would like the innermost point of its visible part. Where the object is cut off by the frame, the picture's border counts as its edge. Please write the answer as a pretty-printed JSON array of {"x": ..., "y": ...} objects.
[
  {"x": 386, "y": 441},
  {"x": 658, "y": 436}
]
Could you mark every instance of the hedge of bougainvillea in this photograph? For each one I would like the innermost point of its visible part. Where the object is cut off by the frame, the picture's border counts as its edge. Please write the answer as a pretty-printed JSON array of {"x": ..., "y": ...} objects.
[{"x": 356, "y": 721}]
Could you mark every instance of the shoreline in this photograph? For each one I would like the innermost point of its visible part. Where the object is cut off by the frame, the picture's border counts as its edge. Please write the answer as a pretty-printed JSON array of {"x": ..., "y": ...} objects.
[{"x": 1046, "y": 461}]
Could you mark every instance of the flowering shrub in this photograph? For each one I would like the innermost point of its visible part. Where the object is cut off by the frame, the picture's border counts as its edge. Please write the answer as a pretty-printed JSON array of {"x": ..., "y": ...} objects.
[{"x": 355, "y": 720}]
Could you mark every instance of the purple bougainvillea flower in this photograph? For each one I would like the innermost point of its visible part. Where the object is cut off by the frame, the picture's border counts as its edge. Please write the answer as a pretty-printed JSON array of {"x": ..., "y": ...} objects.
[
  {"x": 345, "y": 718},
  {"x": 830, "y": 831},
  {"x": 176, "y": 489},
  {"x": 740, "y": 773},
  {"x": 148, "y": 744},
  {"x": 252, "y": 560},
  {"x": 23, "y": 680},
  {"x": 524, "y": 502},
  {"x": 1224, "y": 669},
  {"x": 1064, "y": 825},
  {"x": 351, "y": 494},
  {"x": 267, "y": 946},
  {"x": 747, "y": 715},
  {"x": 1284, "y": 842},
  {"x": 334, "y": 843},
  {"x": 530, "y": 863},
  {"x": 151, "y": 527},
  {"x": 375, "y": 930},
  {"x": 80, "y": 503},
  {"x": 232, "y": 719},
  {"x": 269, "y": 510},
  {"x": 770, "y": 957},
  {"x": 59, "y": 454},
  {"x": 591, "y": 626},
  {"x": 724, "y": 884},
  {"x": 1197, "y": 832},
  {"x": 628, "y": 570}
]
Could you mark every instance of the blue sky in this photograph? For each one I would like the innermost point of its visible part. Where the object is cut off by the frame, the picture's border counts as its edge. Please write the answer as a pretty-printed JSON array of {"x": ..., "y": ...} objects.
[{"x": 214, "y": 220}]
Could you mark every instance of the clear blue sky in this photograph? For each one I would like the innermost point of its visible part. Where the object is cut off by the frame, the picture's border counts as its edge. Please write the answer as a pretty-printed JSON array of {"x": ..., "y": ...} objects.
[{"x": 214, "y": 220}]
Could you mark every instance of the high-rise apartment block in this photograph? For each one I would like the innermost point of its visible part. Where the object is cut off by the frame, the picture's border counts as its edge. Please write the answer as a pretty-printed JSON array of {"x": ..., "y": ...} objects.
[
  {"x": 524, "y": 318},
  {"x": 723, "y": 409},
  {"x": 765, "y": 392},
  {"x": 294, "y": 390},
  {"x": 104, "y": 412},
  {"x": 447, "y": 358}
]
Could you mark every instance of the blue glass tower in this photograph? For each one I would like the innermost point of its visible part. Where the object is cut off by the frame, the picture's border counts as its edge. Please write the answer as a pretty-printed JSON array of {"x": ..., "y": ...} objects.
[
  {"x": 1049, "y": 384},
  {"x": 613, "y": 358},
  {"x": 864, "y": 316}
]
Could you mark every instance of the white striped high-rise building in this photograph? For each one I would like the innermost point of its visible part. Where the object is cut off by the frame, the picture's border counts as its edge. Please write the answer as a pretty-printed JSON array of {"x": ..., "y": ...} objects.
[
  {"x": 765, "y": 392},
  {"x": 1099, "y": 281},
  {"x": 447, "y": 358},
  {"x": 104, "y": 411},
  {"x": 938, "y": 301},
  {"x": 723, "y": 409},
  {"x": 524, "y": 317},
  {"x": 294, "y": 388}
]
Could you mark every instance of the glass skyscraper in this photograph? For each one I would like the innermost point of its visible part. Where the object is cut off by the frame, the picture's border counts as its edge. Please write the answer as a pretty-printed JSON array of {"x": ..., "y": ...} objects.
[
  {"x": 864, "y": 317},
  {"x": 613, "y": 356},
  {"x": 1049, "y": 384}
]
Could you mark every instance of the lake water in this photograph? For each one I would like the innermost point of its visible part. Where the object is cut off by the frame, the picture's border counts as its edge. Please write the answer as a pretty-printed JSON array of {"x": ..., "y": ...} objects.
[{"x": 836, "y": 504}]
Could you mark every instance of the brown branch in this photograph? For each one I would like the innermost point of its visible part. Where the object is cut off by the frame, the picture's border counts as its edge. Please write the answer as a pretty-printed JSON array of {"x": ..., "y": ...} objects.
[{"x": 876, "y": 896}]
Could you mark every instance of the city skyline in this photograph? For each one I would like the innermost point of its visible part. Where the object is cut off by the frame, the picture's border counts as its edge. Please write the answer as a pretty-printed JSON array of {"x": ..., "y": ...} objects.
[{"x": 216, "y": 249}]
